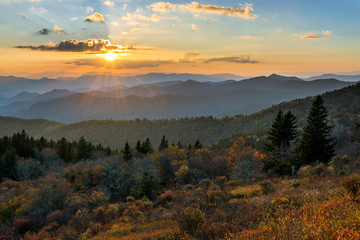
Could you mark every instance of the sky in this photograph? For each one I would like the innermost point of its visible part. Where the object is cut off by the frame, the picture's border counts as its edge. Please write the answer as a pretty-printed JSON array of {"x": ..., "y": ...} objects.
[{"x": 53, "y": 38}]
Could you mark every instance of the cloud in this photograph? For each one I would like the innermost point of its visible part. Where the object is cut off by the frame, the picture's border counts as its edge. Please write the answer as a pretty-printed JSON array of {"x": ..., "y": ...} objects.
[
  {"x": 38, "y": 9},
  {"x": 248, "y": 37},
  {"x": 234, "y": 59},
  {"x": 194, "y": 27},
  {"x": 137, "y": 16},
  {"x": 120, "y": 63},
  {"x": 44, "y": 31},
  {"x": 90, "y": 45},
  {"x": 316, "y": 35},
  {"x": 115, "y": 23},
  {"x": 89, "y": 10},
  {"x": 74, "y": 18},
  {"x": 109, "y": 4},
  {"x": 132, "y": 64},
  {"x": 47, "y": 31},
  {"x": 24, "y": 16},
  {"x": 189, "y": 57},
  {"x": 125, "y": 6},
  {"x": 96, "y": 17},
  {"x": 245, "y": 11}
]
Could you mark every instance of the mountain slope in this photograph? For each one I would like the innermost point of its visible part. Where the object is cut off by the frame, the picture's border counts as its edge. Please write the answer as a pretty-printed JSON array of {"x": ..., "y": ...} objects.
[{"x": 343, "y": 105}]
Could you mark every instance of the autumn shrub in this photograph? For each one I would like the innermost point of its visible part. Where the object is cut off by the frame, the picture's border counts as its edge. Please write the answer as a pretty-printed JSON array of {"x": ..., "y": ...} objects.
[
  {"x": 267, "y": 187},
  {"x": 247, "y": 191},
  {"x": 93, "y": 229},
  {"x": 189, "y": 219},
  {"x": 23, "y": 225},
  {"x": 28, "y": 169},
  {"x": 81, "y": 220},
  {"x": 67, "y": 233},
  {"x": 215, "y": 230},
  {"x": 352, "y": 185},
  {"x": 221, "y": 181},
  {"x": 318, "y": 170},
  {"x": 165, "y": 198}
]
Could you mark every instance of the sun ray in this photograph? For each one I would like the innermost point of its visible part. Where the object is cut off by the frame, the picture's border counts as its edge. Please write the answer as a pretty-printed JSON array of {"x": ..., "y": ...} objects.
[{"x": 110, "y": 56}]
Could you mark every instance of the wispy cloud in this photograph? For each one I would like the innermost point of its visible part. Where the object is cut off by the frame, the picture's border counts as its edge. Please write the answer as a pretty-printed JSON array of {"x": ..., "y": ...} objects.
[
  {"x": 132, "y": 64},
  {"x": 89, "y": 10},
  {"x": 120, "y": 63},
  {"x": 245, "y": 11},
  {"x": 315, "y": 35},
  {"x": 109, "y": 3},
  {"x": 234, "y": 59},
  {"x": 24, "y": 16},
  {"x": 194, "y": 27},
  {"x": 90, "y": 45},
  {"x": 96, "y": 17},
  {"x": 137, "y": 16}
]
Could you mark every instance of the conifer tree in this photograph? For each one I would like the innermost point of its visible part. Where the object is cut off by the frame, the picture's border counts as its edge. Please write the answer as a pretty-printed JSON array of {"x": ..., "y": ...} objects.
[
  {"x": 289, "y": 129},
  {"x": 84, "y": 149},
  {"x": 148, "y": 185},
  {"x": 197, "y": 145},
  {"x": 275, "y": 133},
  {"x": 127, "y": 152},
  {"x": 138, "y": 146},
  {"x": 282, "y": 132},
  {"x": 316, "y": 143},
  {"x": 146, "y": 147},
  {"x": 163, "y": 144}
]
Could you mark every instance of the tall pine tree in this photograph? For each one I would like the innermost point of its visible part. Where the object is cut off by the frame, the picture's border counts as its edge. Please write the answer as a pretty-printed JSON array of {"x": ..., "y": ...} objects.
[
  {"x": 163, "y": 144},
  {"x": 127, "y": 152},
  {"x": 316, "y": 143},
  {"x": 282, "y": 132}
]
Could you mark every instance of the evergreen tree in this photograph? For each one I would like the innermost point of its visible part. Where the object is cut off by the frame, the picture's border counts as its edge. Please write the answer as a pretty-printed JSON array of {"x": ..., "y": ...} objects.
[
  {"x": 127, "y": 152},
  {"x": 282, "y": 132},
  {"x": 7, "y": 163},
  {"x": 275, "y": 133},
  {"x": 138, "y": 146},
  {"x": 356, "y": 135},
  {"x": 316, "y": 143},
  {"x": 84, "y": 149},
  {"x": 197, "y": 145},
  {"x": 146, "y": 147},
  {"x": 163, "y": 144},
  {"x": 148, "y": 185}
]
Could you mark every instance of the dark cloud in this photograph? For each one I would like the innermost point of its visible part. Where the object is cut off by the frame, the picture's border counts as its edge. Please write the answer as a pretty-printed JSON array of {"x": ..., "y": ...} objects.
[
  {"x": 44, "y": 31},
  {"x": 119, "y": 63},
  {"x": 47, "y": 31},
  {"x": 234, "y": 59},
  {"x": 90, "y": 45}
]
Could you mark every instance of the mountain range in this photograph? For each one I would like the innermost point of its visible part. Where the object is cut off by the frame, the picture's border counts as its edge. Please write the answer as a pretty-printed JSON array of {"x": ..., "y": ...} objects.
[
  {"x": 343, "y": 107},
  {"x": 162, "y": 99}
]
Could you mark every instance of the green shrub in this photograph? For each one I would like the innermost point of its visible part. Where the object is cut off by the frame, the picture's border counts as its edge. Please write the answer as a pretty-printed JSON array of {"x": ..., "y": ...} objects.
[{"x": 295, "y": 184}]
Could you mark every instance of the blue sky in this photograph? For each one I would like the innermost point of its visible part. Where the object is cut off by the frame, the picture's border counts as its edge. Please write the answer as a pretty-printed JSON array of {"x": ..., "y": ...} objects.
[{"x": 272, "y": 36}]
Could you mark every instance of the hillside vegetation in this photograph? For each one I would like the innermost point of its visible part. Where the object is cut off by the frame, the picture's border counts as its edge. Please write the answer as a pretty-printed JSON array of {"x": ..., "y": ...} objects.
[{"x": 343, "y": 105}]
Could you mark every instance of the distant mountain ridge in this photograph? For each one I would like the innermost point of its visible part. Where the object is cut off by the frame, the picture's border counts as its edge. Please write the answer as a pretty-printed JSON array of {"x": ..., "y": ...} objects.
[
  {"x": 343, "y": 106},
  {"x": 168, "y": 100}
]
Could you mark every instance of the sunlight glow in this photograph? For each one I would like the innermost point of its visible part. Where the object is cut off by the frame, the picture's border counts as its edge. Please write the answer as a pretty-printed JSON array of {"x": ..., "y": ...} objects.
[{"x": 110, "y": 56}]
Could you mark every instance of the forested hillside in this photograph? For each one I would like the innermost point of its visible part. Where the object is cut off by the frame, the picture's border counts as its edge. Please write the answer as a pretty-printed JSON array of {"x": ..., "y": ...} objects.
[{"x": 343, "y": 105}]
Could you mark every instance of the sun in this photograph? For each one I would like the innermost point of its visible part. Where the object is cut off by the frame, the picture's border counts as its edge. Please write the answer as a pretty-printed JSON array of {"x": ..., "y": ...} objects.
[{"x": 110, "y": 56}]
